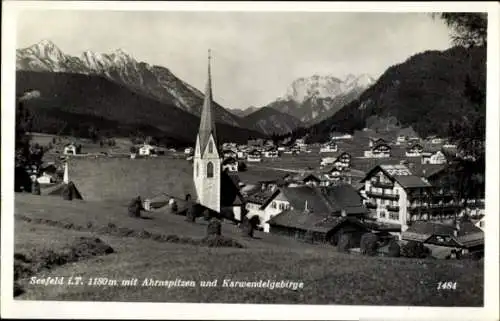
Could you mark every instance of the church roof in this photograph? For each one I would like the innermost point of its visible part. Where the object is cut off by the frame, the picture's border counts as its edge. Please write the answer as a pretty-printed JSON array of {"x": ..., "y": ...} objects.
[{"x": 207, "y": 122}]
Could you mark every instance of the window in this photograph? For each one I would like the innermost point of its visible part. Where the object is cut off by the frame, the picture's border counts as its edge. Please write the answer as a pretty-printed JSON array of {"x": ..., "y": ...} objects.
[
  {"x": 197, "y": 169},
  {"x": 210, "y": 147},
  {"x": 394, "y": 216},
  {"x": 210, "y": 169},
  {"x": 273, "y": 205}
]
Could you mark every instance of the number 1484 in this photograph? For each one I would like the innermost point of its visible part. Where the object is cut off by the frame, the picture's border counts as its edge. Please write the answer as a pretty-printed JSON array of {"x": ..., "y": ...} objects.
[{"x": 447, "y": 286}]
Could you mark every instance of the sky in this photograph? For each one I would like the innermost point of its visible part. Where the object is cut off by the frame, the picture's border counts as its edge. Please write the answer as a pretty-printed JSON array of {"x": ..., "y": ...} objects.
[{"x": 256, "y": 55}]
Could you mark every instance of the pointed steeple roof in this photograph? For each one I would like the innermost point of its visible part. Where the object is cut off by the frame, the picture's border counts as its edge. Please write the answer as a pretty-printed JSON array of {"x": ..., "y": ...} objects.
[{"x": 207, "y": 123}]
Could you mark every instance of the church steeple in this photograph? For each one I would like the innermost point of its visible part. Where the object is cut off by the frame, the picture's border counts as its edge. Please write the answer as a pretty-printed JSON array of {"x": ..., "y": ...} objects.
[
  {"x": 207, "y": 165},
  {"x": 207, "y": 123}
]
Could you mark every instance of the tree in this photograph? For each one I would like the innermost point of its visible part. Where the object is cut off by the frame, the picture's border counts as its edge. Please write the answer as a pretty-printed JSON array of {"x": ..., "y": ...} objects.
[
  {"x": 368, "y": 244},
  {"x": 214, "y": 227},
  {"x": 468, "y": 29},
  {"x": 93, "y": 134},
  {"x": 469, "y": 133},
  {"x": 135, "y": 207},
  {"x": 26, "y": 155}
]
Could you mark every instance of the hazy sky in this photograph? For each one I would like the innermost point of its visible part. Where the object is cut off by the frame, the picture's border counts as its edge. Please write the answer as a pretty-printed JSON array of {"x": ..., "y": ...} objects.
[{"x": 255, "y": 55}]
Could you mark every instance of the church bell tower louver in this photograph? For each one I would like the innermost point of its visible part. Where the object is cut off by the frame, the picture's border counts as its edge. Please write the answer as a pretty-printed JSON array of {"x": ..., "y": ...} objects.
[{"x": 207, "y": 165}]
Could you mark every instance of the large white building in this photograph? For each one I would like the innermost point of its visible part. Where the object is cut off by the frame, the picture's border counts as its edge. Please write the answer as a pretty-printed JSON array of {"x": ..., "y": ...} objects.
[{"x": 397, "y": 196}]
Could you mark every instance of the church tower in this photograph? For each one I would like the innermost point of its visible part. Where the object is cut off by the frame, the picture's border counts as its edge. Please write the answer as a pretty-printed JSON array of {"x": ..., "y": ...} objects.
[{"x": 207, "y": 162}]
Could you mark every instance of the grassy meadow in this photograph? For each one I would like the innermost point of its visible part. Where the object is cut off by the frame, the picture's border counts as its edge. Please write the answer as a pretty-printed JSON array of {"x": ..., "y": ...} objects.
[{"x": 329, "y": 277}]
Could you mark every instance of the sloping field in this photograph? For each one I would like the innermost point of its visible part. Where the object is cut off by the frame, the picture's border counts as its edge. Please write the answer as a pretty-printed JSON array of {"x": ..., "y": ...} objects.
[
  {"x": 121, "y": 179},
  {"x": 328, "y": 277}
]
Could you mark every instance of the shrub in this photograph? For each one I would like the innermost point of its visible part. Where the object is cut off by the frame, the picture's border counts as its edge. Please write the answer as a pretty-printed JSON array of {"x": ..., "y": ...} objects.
[
  {"x": 191, "y": 213},
  {"x": 247, "y": 227},
  {"x": 345, "y": 243},
  {"x": 206, "y": 215},
  {"x": 214, "y": 227},
  {"x": 18, "y": 289},
  {"x": 35, "y": 188},
  {"x": 219, "y": 241},
  {"x": 394, "y": 249},
  {"x": 135, "y": 207},
  {"x": 368, "y": 244},
  {"x": 309, "y": 237},
  {"x": 67, "y": 192},
  {"x": 174, "y": 208},
  {"x": 414, "y": 249}
]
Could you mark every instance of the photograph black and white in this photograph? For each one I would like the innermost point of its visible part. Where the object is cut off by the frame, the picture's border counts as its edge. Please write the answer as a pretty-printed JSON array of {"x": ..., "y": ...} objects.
[{"x": 251, "y": 157}]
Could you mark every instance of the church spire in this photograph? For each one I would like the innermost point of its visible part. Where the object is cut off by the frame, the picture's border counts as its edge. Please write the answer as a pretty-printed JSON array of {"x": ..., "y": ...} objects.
[{"x": 207, "y": 123}]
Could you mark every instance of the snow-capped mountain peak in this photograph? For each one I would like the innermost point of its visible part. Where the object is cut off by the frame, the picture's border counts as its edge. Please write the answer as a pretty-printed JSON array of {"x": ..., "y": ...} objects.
[
  {"x": 46, "y": 49},
  {"x": 313, "y": 98},
  {"x": 120, "y": 67}
]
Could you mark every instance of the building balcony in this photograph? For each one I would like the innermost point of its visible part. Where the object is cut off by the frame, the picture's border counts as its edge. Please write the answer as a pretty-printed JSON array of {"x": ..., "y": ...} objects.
[
  {"x": 392, "y": 208},
  {"x": 382, "y": 184},
  {"x": 389, "y": 196}
]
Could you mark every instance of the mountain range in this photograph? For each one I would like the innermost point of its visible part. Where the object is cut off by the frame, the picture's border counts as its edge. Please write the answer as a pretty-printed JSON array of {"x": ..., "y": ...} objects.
[
  {"x": 312, "y": 99},
  {"x": 307, "y": 100},
  {"x": 152, "y": 81},
  {"x": 270, "y": 121},
  {"x": 427, "y": 92}
]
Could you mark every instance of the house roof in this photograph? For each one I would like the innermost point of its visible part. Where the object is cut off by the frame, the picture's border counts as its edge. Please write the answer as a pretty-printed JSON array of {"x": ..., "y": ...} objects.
[
  {"x": 345, "y": 197},
  {"x": 427, "y": 170},
  {"x": 262, "y": 197},
  {"x": 411, "y": 181},
  {"x": 311, "y": 221},
  {"x": 468, "y": 234},
  {"x": 377, "y": 146},
  {"x": 207, "y": 121},
  {"x": 400, "y": 173},
  {"x": 229, "y": 160},
  {"x": 58, "y": 190}
]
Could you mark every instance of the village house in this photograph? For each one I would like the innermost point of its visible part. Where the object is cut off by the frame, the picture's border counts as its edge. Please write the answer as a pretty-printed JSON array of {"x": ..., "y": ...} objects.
[
  {"x": 240, "y": 154},
  {"x": 415, "y": 150},
  {"x": 230, "y": 164},
  {"x": 254, "y": 157},
  {"x": 339, "y": 136},
  {"x": 436, "y": 157},
  {"x": 343, "y": 161},
  {"x": 381, "y": 150},
  {"x": 188, "y": 151},
  {"x": 325, "y": 161},
  {"x": 398, "y": 197},
  {"x": 462, "y": 237},
  {"x": 324, "y": 213},
  {"x": 377, "y": 141},
  {"x": 329, "y": 148},
  {"x": 401, "y": 139},
  {"x": 302, "y": 179},
  {"x": 46, "y": 178},
  {"x": 228, "y": 153},
  {"x": 147, "y": 150},
  {"x": 301, "y": 145},
  {"x": 435, "y": 140},
  {"x": 271, "y": 153},
  {"x": 70, "y": 149}
]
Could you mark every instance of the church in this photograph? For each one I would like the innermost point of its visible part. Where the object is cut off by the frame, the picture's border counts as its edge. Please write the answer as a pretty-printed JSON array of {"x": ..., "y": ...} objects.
[{"x": 214, "y": 188}]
